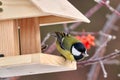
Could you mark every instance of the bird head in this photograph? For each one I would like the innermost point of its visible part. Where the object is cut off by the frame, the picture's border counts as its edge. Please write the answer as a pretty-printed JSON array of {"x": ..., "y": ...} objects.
[{"x": 79, "y": 51}]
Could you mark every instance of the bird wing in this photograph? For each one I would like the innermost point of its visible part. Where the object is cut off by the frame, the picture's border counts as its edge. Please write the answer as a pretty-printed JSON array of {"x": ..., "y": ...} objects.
[
  {"x": 65, "y": 52},
  {"x": 65, "y": 40},
  {"x": 69, "y": 41},
  {"x": 60, "y": 36}
]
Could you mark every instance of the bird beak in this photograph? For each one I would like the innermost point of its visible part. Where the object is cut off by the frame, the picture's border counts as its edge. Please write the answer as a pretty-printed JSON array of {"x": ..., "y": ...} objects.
[{"x": 85, "y": 55}]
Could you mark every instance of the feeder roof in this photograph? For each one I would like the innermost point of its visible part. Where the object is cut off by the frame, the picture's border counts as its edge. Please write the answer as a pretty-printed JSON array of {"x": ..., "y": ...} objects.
[{"x": 61, "y": 11}]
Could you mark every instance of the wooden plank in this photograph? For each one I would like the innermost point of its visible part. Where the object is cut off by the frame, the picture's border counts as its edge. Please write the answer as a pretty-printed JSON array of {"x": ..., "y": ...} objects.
[
  {"x": 29, "y": 35},
  {"x": 15, "y": 60},
  {"x": 26, "y": 9},
  {"x": 14, "y": 9},
  {"x": 60, "y": 8},
  {"x": 52, "y": 20},
  {"x": 9, "y": 45},
  {"x": 34, "y": 64}
]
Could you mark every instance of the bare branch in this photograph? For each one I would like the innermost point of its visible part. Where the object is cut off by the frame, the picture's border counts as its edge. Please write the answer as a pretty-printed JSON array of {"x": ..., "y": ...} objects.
[
  {"x": 110, "y": 7},
  {"x": 107, "y": 4},
  {"x": 81, "y": 33},
  {"x": 96, "y": 60},
  {"x": 45, "y": 39},
  {"x": 66, "y": 29},
  {"x": 92, "y": 75},
  {"x": 51, "y": 48},
  {"x": 103, "y": 69},
  {"x": 104, "y": 44},
  {"x": 87, "y": 14},
  {"x": 118, "y": 75},
  {"x": 111, "y": 62}
]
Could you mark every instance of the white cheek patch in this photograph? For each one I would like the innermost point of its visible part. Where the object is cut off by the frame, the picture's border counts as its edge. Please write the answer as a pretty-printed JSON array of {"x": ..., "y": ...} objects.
[{"x": 75, "y": 52}]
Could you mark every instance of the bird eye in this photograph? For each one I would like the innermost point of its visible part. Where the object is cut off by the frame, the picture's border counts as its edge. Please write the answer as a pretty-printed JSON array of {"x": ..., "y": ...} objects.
[{"x": 75, "y": 52}]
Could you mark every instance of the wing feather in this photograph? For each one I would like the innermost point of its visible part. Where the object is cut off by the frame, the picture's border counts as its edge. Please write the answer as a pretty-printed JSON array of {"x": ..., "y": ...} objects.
[{"x": 65, "y": 52}]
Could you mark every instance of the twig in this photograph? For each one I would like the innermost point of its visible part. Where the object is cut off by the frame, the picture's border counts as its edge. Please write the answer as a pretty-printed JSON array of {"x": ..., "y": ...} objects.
[
  {"x": 90, "y": 13},
  {"x": 87, "y": 14},
  {"x": 94, "y": 69},
  {"x": 104, "y": 44},
  {"x": 103, "y": 69},
  {"x": 66, "y": 29},
  {"x": 45, "y": 39},
  {"x": 92, "y": 61},
  {"x": 51, "y": 48},
  {"x": 81, "y": 33},
  {"x": 107, "y": 4},
  {"x": 110, "y": 8},
  {"x": 111, "y": 62},
  {"x": 92, "y": 75},
  {"x": 118, "y": 75},
  {"x": 107, "y": 35}
]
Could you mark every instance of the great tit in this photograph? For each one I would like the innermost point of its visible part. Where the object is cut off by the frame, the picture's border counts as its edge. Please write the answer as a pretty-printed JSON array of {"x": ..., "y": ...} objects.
[{"x": 69, "y": 47}]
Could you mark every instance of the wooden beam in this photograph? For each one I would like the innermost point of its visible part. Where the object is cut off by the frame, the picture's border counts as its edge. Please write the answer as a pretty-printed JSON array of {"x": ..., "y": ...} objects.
[
  {"x": 29, "y": 35},
  {"x": 52, "y": 20},
  {"x": 30, "y": 64},
  {"x": 14, "y": 9},
  {"x": 37, "y": 8},
  {"x": 60, "y": 8},
  {"x": 9, "y": 45}
]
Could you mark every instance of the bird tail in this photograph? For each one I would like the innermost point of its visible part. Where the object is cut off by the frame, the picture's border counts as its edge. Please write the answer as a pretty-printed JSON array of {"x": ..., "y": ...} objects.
[{"x": 60, "y": 36}]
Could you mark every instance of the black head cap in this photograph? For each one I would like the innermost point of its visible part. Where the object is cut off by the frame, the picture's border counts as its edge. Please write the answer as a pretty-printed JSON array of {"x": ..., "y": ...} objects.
[{"x": 80, "y": 48}]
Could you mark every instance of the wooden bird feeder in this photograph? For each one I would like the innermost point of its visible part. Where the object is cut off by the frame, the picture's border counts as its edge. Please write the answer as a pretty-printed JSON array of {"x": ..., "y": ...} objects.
[{"x": 28, "y": 15}]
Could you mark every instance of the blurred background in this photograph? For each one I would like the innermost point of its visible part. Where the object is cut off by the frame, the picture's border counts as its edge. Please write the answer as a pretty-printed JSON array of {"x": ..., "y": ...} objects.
[{"x": 97, "y": 22}]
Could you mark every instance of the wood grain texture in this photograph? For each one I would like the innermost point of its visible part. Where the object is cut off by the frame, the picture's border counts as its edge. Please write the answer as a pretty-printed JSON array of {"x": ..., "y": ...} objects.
[
  {"x": 62, "y": 8},
  {"x": 38, "y": 63},
  {"x": 52, "y": 20},
  {"x": 9, "y": 45},
  {"x": 14, "y": 9},
  {"x": 29, "y": 35}
]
